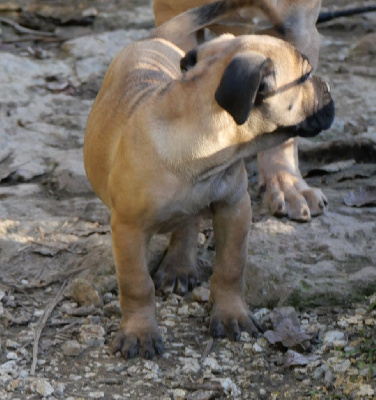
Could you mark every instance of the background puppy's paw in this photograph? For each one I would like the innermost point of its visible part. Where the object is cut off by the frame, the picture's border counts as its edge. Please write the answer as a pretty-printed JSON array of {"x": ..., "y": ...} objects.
[{"x": 289, "y": 195}]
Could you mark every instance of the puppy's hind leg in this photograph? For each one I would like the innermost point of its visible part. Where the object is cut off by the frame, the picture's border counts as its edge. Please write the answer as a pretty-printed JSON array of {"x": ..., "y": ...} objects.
[
  {"x": 138, "y": 331},
  {"x": 178, "y": 270}
]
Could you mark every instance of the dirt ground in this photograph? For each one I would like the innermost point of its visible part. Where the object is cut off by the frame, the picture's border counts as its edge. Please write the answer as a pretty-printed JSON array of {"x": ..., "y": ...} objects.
[{"x": 314, "y": 282}]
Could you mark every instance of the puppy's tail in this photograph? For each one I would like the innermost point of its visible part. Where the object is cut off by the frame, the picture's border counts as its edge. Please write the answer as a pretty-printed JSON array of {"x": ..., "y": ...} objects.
[{"x": 200, "y": 17}]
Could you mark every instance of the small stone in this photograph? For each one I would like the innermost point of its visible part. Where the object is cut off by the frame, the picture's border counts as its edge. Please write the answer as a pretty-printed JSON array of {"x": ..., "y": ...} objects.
[
  {"x": 212, "y": 364},
  {"x": 230, "y": 387},
  {"x": 263, "y": 343},
  {"x": 16, "y": 384},
  {"x": 107, "y": 297},
  {"x": 245, "y": 337},
  {"x": 342, "y": 366},
  {"x": 11, "y": 344},
  {"x": 24, "y": 373},
  {"x": 96, "y": 395},
  {"x": 9, "y": 368},
  {"x": 328, "y": 378},
  {"x": 318, "y": 373},
  {"x": 261, "y": 313},
  {"x": 183, "y": 310},
  {"x": 332, "y": 336},
  {"x": 257, "y": 348},
  {"x": 201, "y": 238},
  {"x": 151, "y": 366},
  {"x": 5, "y": 380},
  {"x": 84, "y": 293},
  {"x": 364, "y": 372},
  {"x": 339, "y": 344},
  {"x": 38, "y": 313},
  {"x": 11, "y": 355},
  {"x": 189, "y": 352},
  {"x": 2, "y": 295},
  {"x": 190, "y": 365},
  {"x": 365, "y": 390},
  {"x": 179, "y": 394},
  {"x": 59, "y": 390},
  {"x": 91, "y": 335},
  {"x": 201, "y": 294},
  {"x": 112, "y": 309},
  {"x": 43, "y": 387},
  {"x": 342, "y": 324},
  {"x": 71, "y": 348}
]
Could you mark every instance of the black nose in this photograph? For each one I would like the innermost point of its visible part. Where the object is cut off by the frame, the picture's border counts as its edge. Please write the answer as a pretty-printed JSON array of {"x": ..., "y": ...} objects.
[{"x": 321, "y": 120}]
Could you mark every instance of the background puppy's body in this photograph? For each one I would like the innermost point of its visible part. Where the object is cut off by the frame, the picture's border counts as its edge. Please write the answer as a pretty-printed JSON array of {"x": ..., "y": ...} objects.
[{"x": 286, "y": 192}]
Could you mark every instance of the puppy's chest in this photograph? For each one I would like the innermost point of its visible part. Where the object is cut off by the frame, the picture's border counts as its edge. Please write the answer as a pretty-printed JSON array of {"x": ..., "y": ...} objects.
[{"x": 197, "y": 198}]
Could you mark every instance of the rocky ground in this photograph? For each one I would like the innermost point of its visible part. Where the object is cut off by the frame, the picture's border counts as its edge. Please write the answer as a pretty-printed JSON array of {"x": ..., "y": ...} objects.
[{"x": 311, "y": 285}]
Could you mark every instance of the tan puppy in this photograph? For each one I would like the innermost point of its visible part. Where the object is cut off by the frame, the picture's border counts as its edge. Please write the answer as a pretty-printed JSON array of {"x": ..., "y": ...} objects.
[
  {"x": 165, "y": 142},
  {"x": 286, "y": 193}
]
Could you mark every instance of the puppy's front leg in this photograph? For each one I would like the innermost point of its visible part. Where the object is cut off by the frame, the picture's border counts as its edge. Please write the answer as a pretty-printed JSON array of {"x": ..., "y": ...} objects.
[
  {"x": 138, "y": 328},
  {"x": 230, "y": 314}
]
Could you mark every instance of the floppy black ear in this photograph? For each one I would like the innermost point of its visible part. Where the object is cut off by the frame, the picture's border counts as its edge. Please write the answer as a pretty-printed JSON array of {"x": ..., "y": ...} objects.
[
  {"x": 240, "y": 82},
  {"x": 189, "y": 60}
]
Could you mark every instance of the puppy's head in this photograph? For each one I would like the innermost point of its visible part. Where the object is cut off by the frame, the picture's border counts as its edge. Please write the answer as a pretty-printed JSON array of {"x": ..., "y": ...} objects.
[{"x": 264, "y": 83}]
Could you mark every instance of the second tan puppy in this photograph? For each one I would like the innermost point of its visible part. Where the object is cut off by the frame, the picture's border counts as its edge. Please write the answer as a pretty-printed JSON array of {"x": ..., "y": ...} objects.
[
  {"x": 165, "y": 142},
  {"x": 286, "y": 192}
]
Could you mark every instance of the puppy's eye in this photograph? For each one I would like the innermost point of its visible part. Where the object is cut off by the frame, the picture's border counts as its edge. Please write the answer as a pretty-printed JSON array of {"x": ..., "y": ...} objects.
[{"x": 189, "y": 60}]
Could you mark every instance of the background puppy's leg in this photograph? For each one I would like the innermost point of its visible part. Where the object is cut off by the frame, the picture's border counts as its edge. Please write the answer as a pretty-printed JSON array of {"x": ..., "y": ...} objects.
[
  {"x": 286, "y": 192},
  {"x": 230, "y": 314},
  {"x": 138, "y": 328},
  {"x": 178, "y": 270}
]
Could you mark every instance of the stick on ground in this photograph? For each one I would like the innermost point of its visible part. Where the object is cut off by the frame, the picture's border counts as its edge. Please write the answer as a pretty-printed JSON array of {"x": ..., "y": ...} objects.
[{"x": 41, "y": 325}]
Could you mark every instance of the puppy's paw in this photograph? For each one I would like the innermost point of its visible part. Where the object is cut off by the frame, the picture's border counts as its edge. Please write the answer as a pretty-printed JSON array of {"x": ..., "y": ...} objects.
[
  {"x": 230, "y": 322},
  {"x": 175, "y": 276},
  {"x": 289, "y": 195},
  {"x": 147, "y": 344}
]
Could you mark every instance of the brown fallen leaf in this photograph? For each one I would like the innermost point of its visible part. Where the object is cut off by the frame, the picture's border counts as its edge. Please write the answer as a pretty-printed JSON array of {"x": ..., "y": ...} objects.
[
  {"x": 288, "y": 334},
  {"x": 286, "y": 329}
]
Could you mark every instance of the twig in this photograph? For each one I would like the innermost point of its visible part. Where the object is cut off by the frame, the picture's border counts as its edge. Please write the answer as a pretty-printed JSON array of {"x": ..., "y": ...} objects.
[
  {"x": 208, "y": 348},
  {"x": 328, "y": 16},
  {"x": 35, "y": 39},
  {"x": 22, "y": 29},
  {"x": 42, "y": 323},
  {"x": 208, "y": 240}
]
